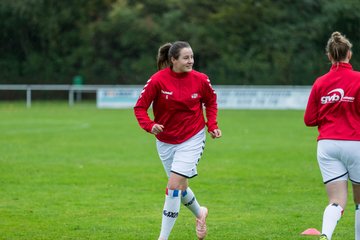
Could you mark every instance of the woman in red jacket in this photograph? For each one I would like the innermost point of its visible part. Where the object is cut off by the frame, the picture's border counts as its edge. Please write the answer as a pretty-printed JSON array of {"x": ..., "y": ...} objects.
[
  {"x": 334, "y": 107},
  {"x": 179, "y": 95}
]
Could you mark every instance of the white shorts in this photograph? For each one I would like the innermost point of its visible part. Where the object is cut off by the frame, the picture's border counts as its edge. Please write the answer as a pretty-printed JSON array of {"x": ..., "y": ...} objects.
[
  {"x": 182, "y": 158},
  {"x": 339, "y": 160}
]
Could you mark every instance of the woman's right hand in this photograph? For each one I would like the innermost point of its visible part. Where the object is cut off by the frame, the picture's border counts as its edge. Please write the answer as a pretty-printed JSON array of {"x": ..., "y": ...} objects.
[
  {"x": 157, "y": 128},
  {"x": 216, "y": 133}
]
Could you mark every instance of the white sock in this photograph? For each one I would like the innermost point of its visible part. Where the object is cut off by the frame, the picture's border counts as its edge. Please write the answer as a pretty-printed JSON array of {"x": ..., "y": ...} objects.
[
  {"x": 332, "y": 215},
  {"x": 170, "y": 212},
  {"x": 357, "y": 222},
  {"x": 189, "y": 200}
]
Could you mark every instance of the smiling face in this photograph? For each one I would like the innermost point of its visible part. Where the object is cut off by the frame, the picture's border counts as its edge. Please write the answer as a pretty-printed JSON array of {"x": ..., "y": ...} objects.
[{"x": 184, "y": 62}]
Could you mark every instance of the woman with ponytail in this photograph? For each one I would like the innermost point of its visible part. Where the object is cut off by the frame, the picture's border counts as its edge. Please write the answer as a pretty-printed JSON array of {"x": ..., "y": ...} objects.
[
  {"x": 179, "y": 96},
  {"x": 334, "y": 107}
]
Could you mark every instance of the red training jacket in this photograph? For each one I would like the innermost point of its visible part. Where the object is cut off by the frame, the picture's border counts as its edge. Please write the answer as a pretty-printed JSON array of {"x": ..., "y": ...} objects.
[
  {"x": 178, "y": 100},
  {"x": 334, "y": 104}
]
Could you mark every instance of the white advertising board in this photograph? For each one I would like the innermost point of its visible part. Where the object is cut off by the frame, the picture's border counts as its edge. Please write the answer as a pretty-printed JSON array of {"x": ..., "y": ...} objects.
[
  {"x": 253, "y": 97},
  {"x": 117, "y": 97},
  {"x": 229, "y": 97}
]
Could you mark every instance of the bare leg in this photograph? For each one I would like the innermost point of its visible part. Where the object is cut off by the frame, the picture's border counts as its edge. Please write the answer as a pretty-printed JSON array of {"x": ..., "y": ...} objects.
[
  {"x": 177, "y": 182},
  {"x": 337, "y": 192},
  {"x": 356, "y": 190}
]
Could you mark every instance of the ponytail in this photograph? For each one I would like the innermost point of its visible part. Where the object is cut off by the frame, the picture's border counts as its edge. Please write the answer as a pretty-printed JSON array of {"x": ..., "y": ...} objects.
[{"x": 162, "y": 59}]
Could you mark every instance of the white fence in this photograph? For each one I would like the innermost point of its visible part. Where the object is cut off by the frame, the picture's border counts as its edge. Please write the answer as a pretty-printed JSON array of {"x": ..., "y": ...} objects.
[
  {"x": 229, "y": 97},
  {"x": 73, "y": 90}
]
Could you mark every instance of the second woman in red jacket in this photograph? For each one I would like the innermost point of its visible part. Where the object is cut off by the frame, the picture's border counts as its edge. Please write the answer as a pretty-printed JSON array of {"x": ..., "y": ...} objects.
[{"x": 334, "y": 107}]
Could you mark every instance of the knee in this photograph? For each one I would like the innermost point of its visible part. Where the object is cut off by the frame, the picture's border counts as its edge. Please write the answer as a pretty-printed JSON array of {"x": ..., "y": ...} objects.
[
  {"x": 177, "y": 185},
  {"x": 177, "y": 182}
]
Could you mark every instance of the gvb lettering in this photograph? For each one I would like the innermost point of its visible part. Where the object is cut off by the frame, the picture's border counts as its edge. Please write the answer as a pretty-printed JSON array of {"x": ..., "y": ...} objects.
[{"x": 330, "y": 99}]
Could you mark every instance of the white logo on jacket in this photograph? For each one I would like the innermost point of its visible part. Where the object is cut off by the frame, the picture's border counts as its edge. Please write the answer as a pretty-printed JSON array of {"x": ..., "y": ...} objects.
[
  {"x": 166, "y": 92},
  {"x": 194, "y": 95},
  {"x": 336, "y": 95}
]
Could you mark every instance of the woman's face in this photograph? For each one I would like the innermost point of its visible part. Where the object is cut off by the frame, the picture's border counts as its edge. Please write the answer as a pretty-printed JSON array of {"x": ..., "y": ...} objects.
[{"x": 185, "y": 61}]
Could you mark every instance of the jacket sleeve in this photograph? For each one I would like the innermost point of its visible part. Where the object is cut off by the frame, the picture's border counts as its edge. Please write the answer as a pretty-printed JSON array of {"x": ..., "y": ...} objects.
[
  {"x": 312, "y": 109},
  {"x": 210, "y": 104},
  {"x": 142, "y": 105}
]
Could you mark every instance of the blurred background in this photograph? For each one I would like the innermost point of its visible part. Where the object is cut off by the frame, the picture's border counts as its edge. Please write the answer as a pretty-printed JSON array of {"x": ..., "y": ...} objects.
[{"x": 248, "y": 42}]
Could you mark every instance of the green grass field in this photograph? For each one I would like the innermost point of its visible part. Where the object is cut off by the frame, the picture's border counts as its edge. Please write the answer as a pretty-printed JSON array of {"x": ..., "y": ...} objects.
[{"x": 84, "y": 173}]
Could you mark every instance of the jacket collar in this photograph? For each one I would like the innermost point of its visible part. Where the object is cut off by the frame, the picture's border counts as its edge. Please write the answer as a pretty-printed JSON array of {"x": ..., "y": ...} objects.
[{"x": 340, "y": 66}]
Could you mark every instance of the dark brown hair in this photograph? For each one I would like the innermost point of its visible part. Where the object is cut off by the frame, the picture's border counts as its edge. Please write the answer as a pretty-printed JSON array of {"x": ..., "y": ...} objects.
[
  {"x": 169, "y": 50},
  {"x": 338, "y": 46}
]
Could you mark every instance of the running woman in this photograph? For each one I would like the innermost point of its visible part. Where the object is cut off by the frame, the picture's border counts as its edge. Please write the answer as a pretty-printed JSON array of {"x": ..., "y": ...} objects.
[
  {"x": 334, "y": 107},
  {"x": 179, "y": 96}
]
